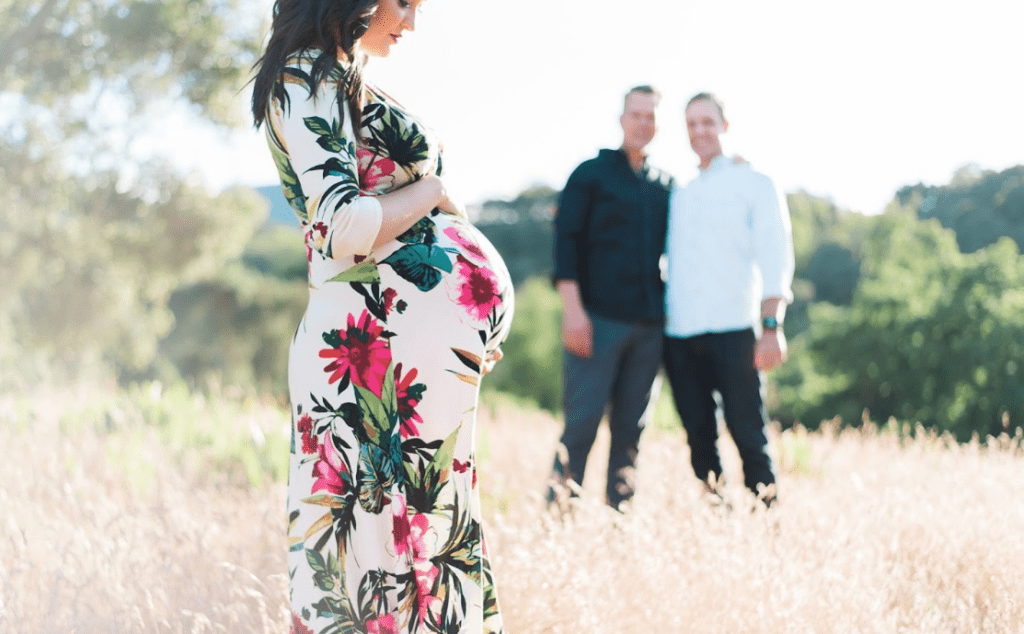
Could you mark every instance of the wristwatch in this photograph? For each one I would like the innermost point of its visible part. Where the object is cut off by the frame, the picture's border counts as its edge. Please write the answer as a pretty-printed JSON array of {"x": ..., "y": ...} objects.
[{"x": 770, "y": 323}]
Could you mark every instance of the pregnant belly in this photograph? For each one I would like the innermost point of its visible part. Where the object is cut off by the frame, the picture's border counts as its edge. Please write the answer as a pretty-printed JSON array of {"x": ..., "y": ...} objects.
[
  {"x": 443, "y": 242},
  {"x": 444, "y": 251}
]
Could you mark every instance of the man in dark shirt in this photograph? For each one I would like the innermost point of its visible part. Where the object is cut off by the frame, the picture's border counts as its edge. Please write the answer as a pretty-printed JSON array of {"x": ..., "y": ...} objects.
[{"x": 609, "y": 238}]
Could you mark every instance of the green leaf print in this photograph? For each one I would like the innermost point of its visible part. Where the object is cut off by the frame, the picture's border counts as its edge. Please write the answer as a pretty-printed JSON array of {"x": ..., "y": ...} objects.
[
  {"x": 296, "y": 544},
  {"x": 318, "y": 126},
  {"x": 365, "y": 272},
  {"x": 333, "y": 339},
  {"x": 289, "y": 179},
  {"x": 388, "y": 396},
  {"x": 376, "y": 422},
  {"x": 338, "y": 610},
  {"x": 441, "y": 463},
  {"x": 423, "y": 488},
  {"x": 328, "y": 139},
  {"x": 490, "y": 596},
  {"x": 289, "y": 183},
  {"x": 334, "y": 167},
  {"x": 330, "y": 144},
  {"x": 376, "y": 477},
  {"x": 379, "y": 414},
  {"x": 316, "y": 561},
  {"x": 412, "y": 478},
  {"x": 406, "y": 143},
  {"x": 374, "y": 590},
  {"x": 423, "y": 232},
  {"x": 420, "y": 264},
  {"x": 328, "y": 500}
]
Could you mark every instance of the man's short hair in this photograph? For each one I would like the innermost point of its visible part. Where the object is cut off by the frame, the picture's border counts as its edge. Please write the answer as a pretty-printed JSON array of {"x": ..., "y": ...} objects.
[
  {"x": 709, "y": 96},
  {"x": 643, "y": 90}
]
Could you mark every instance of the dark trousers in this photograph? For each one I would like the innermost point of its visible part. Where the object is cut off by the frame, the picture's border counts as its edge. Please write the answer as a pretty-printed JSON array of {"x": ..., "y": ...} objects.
[
  {"x": 697, "y": 367},
  {"x": 619, "y": 375}
]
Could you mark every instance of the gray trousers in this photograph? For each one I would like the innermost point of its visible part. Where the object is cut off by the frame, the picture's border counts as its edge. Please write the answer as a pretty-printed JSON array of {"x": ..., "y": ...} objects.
[{"x": 619, "y": 376}]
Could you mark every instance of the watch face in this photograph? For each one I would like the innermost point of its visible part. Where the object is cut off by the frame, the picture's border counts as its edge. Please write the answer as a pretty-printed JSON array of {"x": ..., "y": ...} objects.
[{"x": 770, "y": 322}]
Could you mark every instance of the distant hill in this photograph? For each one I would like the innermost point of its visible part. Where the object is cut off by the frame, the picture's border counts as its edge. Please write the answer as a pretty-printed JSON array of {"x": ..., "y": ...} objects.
[
  {"x": 280, "y": 212},
  {"x": 521, "y": 230},
  {"x": 980, "y": 206}
]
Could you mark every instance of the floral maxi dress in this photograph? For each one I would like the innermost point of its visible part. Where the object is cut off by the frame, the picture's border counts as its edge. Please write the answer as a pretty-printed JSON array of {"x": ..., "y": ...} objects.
[{"x": 384, "y": 370}]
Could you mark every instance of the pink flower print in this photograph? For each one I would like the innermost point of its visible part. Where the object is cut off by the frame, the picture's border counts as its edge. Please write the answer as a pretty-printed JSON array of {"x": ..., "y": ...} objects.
[
  {"x": 409, "y": 533},
  {"x": 360, "y": 349},
  {"x": 468, "y": 246},
  {"x": 415, "y": 539},
  {"x": 426, "y": 574},
  {"x": 298, "y": 627},
  {"x": 375, "y": 172},
  {"x": 387, "y": 300},
  {"x": 382, "y": 625},
  {"x": 315, "y": 238},
  {"x": 476, "y": 289},
  {"x": 408, "y": 397},
  {"x": 309, "y": 440},
  {"x": 328, "y": 471},
  {"x": 462, "y": 467},
  {"x": 400, "y": 527},
  {"x": 410, "y": 539}
]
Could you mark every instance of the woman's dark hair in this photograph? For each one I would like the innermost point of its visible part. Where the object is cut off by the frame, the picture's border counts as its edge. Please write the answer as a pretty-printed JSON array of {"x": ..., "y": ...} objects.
[{"x": 324, "y": 25}]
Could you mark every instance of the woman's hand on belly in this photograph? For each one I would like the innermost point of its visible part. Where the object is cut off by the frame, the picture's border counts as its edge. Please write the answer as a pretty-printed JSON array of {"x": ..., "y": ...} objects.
[{"x": 451, "y": 206}]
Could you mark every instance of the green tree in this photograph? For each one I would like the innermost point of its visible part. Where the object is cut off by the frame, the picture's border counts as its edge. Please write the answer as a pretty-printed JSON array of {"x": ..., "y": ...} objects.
[
  {"x": 90, "y": 269},
  {"x": 235, "y": 327},
  {"x": 521, "y": 230},
  {"x": 145, "y": 51},
  {"x": 277, "y": 252},
  {"x": 532, "y": 365},
  {"x": 932, "y": 336},
  {"x": 980, "y": 206},
  {"x": 827, "y": 244},
  {"x": 96, "y": 237}
]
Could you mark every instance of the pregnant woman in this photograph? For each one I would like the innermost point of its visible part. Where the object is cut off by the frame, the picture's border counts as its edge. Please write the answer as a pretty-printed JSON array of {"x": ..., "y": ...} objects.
[{"x": 408, "y": 304}]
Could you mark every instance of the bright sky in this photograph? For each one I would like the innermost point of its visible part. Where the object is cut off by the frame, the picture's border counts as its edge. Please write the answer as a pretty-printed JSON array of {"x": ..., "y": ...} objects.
[{"x": 849, "y": 101}]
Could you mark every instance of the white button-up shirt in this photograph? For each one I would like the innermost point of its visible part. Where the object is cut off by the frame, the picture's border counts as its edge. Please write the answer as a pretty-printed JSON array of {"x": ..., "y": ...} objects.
[{"x": 729, "y": 246}]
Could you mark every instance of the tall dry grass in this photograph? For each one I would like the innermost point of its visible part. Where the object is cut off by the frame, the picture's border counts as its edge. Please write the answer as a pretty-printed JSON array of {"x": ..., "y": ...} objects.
[{"x": 121, "y": 531}]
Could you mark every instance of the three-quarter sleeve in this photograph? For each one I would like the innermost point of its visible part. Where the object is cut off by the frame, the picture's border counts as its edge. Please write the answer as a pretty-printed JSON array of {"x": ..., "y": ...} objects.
[
  {"x": 773, "y": 241},
  {"x": 570, "y": 222},
  {"x": 318, "y": 139}
]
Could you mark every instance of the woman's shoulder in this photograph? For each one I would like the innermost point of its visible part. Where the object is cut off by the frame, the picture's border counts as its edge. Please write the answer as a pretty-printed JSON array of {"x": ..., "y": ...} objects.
[{"x": 298, "y": 67}]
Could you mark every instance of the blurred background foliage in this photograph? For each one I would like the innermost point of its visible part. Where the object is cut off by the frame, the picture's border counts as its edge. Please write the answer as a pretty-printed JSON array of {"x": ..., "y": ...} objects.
[{"x": 120, "y": 268}]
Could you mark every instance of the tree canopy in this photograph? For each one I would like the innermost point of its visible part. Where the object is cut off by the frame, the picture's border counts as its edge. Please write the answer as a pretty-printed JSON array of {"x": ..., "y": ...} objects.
[
  {"x": 95, "y": 245},
  {"x": 980, "y": 206},
  {"x": 145, "y": 50}
]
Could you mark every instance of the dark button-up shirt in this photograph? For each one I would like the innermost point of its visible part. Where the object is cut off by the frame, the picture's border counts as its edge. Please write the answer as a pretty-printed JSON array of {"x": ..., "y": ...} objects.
[{"x": 610, "y": 235}]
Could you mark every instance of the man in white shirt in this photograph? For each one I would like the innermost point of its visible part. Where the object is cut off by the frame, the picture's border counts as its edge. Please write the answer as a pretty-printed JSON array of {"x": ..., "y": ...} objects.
[{"x": 730, "y": 269}]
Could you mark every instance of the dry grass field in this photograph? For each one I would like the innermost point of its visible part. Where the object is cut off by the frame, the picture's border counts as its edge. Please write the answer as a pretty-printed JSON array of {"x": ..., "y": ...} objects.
[{"x": 108, "y": 524}]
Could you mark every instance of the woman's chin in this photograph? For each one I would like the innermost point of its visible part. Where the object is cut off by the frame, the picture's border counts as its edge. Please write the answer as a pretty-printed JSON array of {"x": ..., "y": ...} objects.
[{"x": 377, "y": 51}]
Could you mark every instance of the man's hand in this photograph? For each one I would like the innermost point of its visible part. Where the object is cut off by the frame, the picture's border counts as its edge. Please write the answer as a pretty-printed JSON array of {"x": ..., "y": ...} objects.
[
  {"x": 770, "y": 351},
  {"x": 577, "y": 330},
  {"x": 578, "y": 334}
]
